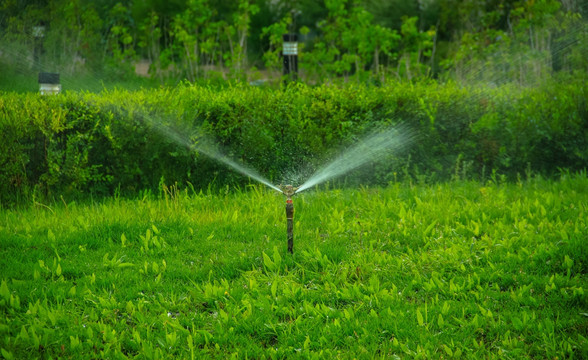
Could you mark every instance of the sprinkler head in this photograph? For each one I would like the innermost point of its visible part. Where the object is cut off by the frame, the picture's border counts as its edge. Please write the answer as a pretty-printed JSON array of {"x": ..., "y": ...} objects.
[{"x": 288, "y": 190}]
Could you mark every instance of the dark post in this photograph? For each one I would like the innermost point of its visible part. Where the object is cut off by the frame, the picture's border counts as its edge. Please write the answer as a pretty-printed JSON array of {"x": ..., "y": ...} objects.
[
  {"x": 290, "y": 224},
  {"x": 49, "y": 83},
  {"x": 290, "y": 54}
]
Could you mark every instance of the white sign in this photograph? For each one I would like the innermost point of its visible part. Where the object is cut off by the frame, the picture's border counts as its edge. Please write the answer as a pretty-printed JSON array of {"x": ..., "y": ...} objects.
[{"x": 290, "y": 48}]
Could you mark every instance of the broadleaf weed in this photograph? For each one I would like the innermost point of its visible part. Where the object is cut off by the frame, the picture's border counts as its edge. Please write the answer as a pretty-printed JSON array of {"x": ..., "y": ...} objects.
[{"x": 447, "y": 270}]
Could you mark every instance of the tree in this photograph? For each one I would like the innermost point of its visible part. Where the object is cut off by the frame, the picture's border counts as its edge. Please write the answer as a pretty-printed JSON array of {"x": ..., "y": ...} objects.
[
  {"x": 274, "y": 34},
  {"x": 120, "y": 42},
  {"x": 188, "y": 28},
  {"x": 415, "y": 46},
  {"x": 237, "y": 35}
]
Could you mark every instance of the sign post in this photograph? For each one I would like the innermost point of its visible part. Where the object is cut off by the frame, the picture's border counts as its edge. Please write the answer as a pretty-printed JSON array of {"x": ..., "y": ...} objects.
[{"x": 290, "y": 54}]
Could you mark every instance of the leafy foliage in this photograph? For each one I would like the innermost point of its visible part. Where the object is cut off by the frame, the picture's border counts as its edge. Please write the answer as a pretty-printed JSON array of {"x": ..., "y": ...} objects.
[
  {"x": 463, "y": 269},
  {"x": 82, "y": 143},
  {"x": 341, "y": 40}
]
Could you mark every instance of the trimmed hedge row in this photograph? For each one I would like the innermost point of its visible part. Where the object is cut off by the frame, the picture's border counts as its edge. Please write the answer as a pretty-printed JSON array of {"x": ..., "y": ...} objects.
[{"x": 86, "y": 143}]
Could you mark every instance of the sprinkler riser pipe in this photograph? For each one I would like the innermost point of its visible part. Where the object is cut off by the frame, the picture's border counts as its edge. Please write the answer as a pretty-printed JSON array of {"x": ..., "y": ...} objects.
[
  {"x": 290, "y": 224},
  {"x": 289, "y": 191}
]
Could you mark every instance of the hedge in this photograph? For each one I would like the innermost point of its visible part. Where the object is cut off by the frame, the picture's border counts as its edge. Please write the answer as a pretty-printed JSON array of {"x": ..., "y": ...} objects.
[{"x": 126, "y": 142}]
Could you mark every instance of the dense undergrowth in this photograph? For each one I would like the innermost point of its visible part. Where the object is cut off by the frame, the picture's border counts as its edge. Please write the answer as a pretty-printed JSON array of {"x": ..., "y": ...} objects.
[
  {"x": 86, "y": 144},
  {"x": 457, "y": 270}
]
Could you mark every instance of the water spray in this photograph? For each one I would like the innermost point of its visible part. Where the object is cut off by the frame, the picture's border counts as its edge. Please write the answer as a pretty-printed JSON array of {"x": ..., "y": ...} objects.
[
  {"x": 289, "y": 191},
  {"x": 374, "y": 147}
]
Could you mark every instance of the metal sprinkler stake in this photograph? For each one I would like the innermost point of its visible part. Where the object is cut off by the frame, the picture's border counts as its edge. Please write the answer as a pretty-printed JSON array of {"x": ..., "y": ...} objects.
[{"x": 289, "y": 191}]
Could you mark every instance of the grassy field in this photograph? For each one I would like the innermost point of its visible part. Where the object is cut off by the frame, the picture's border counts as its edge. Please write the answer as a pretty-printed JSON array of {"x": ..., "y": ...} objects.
[{"x": 456, "y": 270}]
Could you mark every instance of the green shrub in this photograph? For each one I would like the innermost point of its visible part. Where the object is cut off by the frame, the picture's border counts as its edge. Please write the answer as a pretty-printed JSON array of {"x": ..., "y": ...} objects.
[{"x": 97, "y": 144}]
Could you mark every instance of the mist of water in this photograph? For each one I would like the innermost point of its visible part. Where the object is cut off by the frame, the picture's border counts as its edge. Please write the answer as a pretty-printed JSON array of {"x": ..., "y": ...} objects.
[
  {"x": 373, "y": 148},
  {"x": 208, "y": 148},
  {"x": 239, "y": 167}
]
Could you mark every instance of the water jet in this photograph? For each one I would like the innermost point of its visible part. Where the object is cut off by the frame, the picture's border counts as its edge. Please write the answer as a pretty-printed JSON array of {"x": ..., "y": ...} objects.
[{"x": 376, "y": 146}]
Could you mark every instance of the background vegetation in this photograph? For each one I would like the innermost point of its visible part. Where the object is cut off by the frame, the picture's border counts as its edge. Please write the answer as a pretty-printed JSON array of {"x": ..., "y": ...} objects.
[{"x": 351, "y": 40}]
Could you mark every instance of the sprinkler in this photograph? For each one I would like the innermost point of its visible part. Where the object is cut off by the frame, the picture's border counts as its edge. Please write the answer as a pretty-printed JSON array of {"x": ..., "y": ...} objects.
[{"x": 289, "y": 191}]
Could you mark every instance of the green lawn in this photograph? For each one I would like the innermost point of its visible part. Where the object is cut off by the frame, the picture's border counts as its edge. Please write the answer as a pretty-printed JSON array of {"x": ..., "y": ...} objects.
[{"x": 461, "y": 269}]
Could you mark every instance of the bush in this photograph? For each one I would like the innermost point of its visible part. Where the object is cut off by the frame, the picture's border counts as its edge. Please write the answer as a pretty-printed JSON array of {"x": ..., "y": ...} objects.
[{"x": 97, "y": 144}]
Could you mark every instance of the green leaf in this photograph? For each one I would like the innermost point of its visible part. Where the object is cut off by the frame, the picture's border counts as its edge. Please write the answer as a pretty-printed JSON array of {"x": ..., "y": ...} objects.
[
  {"x": 440, "y": 321},
  {"x": 74, "y": 341},
  {"x": 274, "y": 288},
  {"x": 517, "y": 323},
  {"x": 277, "y": 257},
  {"x": 36, "y": 339},
  {"x": 7, "y": 354},
  {"x": 569, "y": 263},
  {"x": 429, "y": 228},
  {"x": 489, "y": 313},
  {"x": 420, "y": 319},
  {"x": 125, "y": 265},
  {"x": 23, "y": 333},
  {"x": 445, "y": 308},
  {"x": 223, "y": 315},
  {"x": 307, "y": 343},
  {"x": 50, "y": 236},
  {"x": 267, "y": 261},
  {"x": 4, "y": 292}
]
